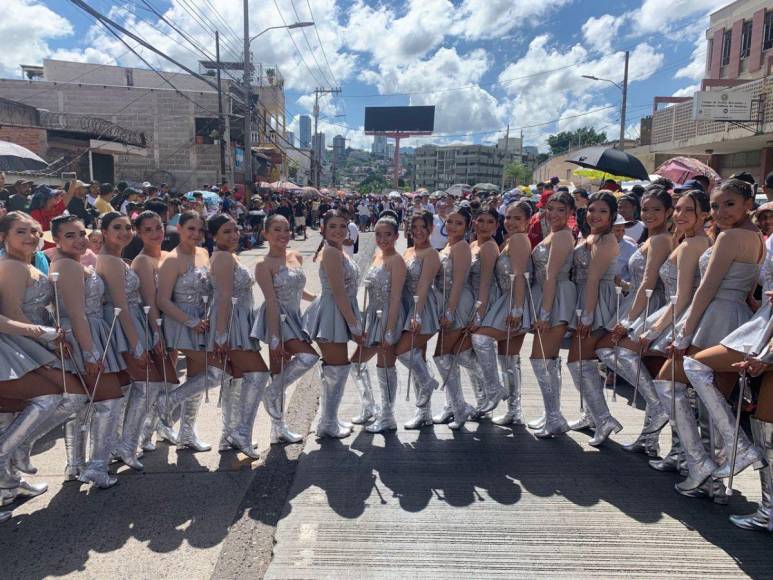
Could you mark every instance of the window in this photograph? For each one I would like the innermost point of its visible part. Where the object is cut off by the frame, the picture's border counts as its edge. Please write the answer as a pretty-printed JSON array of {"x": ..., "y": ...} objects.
[
  {"x": 129, "y": 77},
  {"x": 767, "y": 35},
  {"x": 727, "y": 38},
  {"x": 746, "y": 39},
  {"x": 204, "y": 128},
  {"x": 709, "y": 52}
]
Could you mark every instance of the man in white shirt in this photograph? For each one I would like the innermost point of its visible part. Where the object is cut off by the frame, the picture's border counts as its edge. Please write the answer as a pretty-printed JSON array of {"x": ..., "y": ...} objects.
[
  {"x": 439, "y": 237},
  {"x": 351, "y": 238}
]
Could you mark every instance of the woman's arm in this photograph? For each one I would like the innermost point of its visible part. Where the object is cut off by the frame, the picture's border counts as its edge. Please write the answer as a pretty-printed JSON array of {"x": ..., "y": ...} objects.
[
  {"x": 17, "y": 328},
  {"x": 145, "y": 271},
  {"x": 488, "y": 259},
  {"x": 429, "y": 270},
  {"x": 398, "y": 273},
  {"x": 602, "y": 254},
  {"x": 561, "y": 246},
  {"x": 461, "y": 258},
  {"x": 519, "y": 248},
  {"x": 222, "y": 269},
  {"x": 14, "y": 276},
  {"x": 112, "y": 271},
  {"x": 264, "y": 278},
  {"x": 659, "y": 249},
  {"x": 334, "y": 268}
]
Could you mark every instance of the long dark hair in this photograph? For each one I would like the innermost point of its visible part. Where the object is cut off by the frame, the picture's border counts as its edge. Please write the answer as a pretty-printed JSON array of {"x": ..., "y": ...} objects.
[
  {"x": 663, "y": 197},
  {"x": 608, "y": 198},
  {"x": 327, "y": 216}
]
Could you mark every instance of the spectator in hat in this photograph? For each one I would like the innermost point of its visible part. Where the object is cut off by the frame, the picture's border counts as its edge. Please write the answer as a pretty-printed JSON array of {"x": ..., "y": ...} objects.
[
  {"x": 627, "y": 246},
  {"x": 46, "y": 204},
  {"x": 704, "y": 181},
  {"x": 763, "y": 217},
  {"x": 19, "y": 199},
  {"x": 102, "y": 203},
  {"x": 77, "y": 203},
  {"x": 688, "y": 185}
]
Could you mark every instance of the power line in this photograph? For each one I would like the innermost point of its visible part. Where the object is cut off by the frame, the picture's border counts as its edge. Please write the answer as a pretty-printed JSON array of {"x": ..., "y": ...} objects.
[
  {"x": 297, "y": 50},
  {"x": 321, "y": 46},
  {"x": 308, "y": 44}
]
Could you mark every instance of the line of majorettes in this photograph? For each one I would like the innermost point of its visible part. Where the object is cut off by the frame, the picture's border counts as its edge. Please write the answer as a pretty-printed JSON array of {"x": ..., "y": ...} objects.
[{"x": 682, "y": 327}]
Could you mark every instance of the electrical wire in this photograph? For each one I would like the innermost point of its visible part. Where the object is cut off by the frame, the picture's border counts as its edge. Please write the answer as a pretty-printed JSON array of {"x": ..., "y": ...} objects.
[
  {"x": 321, "y": 46},
  {"x": 297, "y": 50}
]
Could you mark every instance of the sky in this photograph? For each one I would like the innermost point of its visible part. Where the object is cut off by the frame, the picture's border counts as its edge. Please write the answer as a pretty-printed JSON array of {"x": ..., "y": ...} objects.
[{"x": 484, "y": 64}]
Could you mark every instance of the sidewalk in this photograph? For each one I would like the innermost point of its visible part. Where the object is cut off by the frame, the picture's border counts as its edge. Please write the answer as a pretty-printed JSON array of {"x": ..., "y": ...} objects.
[{"x": 494, "y": 502}]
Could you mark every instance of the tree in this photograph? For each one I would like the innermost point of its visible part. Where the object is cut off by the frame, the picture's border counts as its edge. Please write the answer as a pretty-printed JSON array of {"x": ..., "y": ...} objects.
[
  {"x": 584, "y": 137},
  {"x": 516, "y": 173},
  {"x": 373, "y": 183}
]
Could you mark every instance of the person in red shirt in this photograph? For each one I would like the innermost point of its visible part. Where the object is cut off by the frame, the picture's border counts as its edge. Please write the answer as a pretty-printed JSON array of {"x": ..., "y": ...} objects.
[{"x": 46, "y": 204}]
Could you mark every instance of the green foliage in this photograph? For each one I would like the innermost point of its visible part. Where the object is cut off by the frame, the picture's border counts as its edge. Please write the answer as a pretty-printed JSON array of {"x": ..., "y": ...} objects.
[
  {"x": 516, "y": 173},
  {"x": 373, "y": 183},
  {"x": 585, "y": 137}
]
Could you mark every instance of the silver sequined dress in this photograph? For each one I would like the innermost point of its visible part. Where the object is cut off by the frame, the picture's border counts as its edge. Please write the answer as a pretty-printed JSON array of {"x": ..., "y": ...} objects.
[
  {"x": 562, "y": 311},
  {"x": 19, "y": 354},
  {"x": 322, "y": 321},
  {"x": 378, "y": 286},
  {"x": 758, "y": 331},
  {"x": 243, "y": 318},
  {"x": 637, "y": 263},
  {"x": 99, "y": 326},
  {"x": 604, "y": 313},
  {"x": 462, "y": 315},
  {"x": 728, "y": 310},
  {"x": 288, "y": 288},
  {"x": 132, "y": 290},
  {"x": 430, "y": 315},
  {"x": 496, "y": 317},
  {"x": 187, "y": 295}
]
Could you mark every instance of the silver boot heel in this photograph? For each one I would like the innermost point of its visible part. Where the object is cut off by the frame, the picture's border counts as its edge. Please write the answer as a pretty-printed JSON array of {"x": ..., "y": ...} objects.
[
  {"x": 548, "y": 374},
  {"x": 104, "y": 421},
  {"x": 595, "y": 402},
  {"x": 253, "y": 387},
  {"x": 333, "y": 385},
  {"x": 485, "y": 348},
  {"x": 512, "y": 368},
  {"x": 699, "y": 465},
  {"x": 387, "y": 383},
  {"x": 762, "y": 432},
  {"x": 369, "y": 408},
  {"x": 134, "y": 417}
]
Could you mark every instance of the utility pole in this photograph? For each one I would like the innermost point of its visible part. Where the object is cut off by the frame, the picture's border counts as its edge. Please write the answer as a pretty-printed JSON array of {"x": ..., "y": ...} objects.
[
  {"x": 316, "y": 164},
  {"x": 504, "y": 158},
  {"x": 624, "y": 103},
  {"x": 220, "y": 124},
  {"x": 248, "y": 183}
]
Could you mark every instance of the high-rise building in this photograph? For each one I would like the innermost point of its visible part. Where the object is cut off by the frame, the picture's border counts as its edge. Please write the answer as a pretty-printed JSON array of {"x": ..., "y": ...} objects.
[
  {"x": 439, "y": 167},
  {"x": 305, "y": 128},
  {"x": 379, "y": 145},
  {"x": 339, "y": 148},
  {"x": 290, "y": 138},
  {"x": 318, "y": 144}
]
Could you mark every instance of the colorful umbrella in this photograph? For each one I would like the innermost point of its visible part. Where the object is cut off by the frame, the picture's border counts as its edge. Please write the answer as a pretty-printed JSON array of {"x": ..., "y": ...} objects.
[{"x": 681, "y": 169}]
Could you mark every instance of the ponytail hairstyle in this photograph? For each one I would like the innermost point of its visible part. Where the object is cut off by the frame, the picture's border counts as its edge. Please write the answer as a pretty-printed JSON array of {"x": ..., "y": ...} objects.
[
  {"x": 663, "y": 197},
  {"x": 425, "y": 216},
  {"x": 565, "y": 198},
  {"x": 106, "y": 219},
  {"x": 189, "y": 215},
  {"x": 738, "y": 187},
  {"x": 700, "y": 202},
  {"x": 326, "y": 217},
  {"x": 62, "y": 220},
  {"x": 607, "y": 197},
  {"x": 145, "y": 215},
  {"x": 525, "y": 207},
  {"x": 388, "y": 217},
  {"x": 217, "y": 221}
]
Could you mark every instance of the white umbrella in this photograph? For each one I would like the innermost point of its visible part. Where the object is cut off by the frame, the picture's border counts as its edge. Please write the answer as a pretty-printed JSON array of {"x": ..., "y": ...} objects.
[
  {"x": 14, "y": 157},
  {"x": 394, "y": 195}
]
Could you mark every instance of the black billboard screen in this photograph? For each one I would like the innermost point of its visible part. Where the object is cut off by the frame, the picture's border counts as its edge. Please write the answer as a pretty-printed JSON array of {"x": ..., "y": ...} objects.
[{"x": 405, "y": 119}]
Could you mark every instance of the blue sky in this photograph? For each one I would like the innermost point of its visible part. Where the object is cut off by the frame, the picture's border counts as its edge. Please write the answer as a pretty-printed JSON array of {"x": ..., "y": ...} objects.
[{"x": 483, "y": 63}]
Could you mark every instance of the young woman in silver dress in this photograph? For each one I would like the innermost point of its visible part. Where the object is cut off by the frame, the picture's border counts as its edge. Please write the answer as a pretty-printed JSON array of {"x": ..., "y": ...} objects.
[
  {"x": 94, "y": 353},
  {"x": 456, "y": 305},
  {"x": 333, "y": 319},
  {"x": 422, "y": 316},
  {"x": 183, "y": 282},
  {"x": 553, "y": 300},
  {"x": 282, "y": 280},
  {"x": 618, "y": 352},
  {"x": 383, "y": 282},
  {"x": 508, "y": 319},
  {"x": 593, "y": 271},
  {"x": 233, "y": 316}
]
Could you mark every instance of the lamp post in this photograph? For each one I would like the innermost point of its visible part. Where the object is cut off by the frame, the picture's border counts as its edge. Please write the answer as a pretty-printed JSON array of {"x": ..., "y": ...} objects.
[
  {"x": 247, "y": 86},
  {"x": 624, "y": 89}
]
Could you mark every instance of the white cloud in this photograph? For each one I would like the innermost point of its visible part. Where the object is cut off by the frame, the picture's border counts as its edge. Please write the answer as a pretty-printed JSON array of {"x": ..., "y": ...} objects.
[
  {"x": 26, "y": 27},
  {"x": 599, "y": 32},
  {"x": 687, "y": 91},
  {"x": 481, "y": 19},
  {"x": 662, "y": 15}
]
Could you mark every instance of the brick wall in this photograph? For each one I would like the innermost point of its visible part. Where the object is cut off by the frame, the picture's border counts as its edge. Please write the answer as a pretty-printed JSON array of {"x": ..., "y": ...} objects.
[{"x": 30, "y": 137}]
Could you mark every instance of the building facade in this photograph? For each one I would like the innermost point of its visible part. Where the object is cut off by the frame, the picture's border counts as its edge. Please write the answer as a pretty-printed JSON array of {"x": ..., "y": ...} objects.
[
  {"x": 379, "y": 146},
  {"x": 339, "y": 148},
  {"x": 305, "y": 131},
  {"x": 439, "y": 167}
]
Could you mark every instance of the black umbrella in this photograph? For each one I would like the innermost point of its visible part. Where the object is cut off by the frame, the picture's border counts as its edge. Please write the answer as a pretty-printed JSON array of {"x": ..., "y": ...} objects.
[
  {"x": 14, "y": 157},
  {"x": 611, "y": 161}
]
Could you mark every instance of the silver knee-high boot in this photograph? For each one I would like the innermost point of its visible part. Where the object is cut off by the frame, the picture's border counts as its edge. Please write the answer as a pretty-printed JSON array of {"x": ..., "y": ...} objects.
[
  {"x": 75, "y": 439},
  {"x": 23, "y": 488},
  {"x": 593, "y": 392},
  {"x": 699, "y": 465},
  {"x": 104, "y": 421},
  {"x": 298, "y": 366},
  {"x": 133, "y": 419},
  {"x": 701, "y": 377},
  {"x": 37, "y": 411},
  {"x": 469, "y": 362},
  {"x": 369, "y": 408},
  {"x": 229, "y": 406},
  {"x": 459, "y": 409},
  {"x": 674, "y": 461},
  {"x": 68, "y": 407},
  {"x": 187, "y": 436},
  {"x": 762, "y": 433},
  {"x": 548, "y": 374},
  {"x": 153, "y": 425},
  {"x": 425, "y": 383},
  {"x": 585, "y": 420},
  {"x": 628, "y": 368},
  {"x": 485, "y": 348},
  {"x": 511, "y": 365},
  {"x": 387, "y": 384},
  {"x": 333, "y": 385},
  {"x": 253, "y": 388}
]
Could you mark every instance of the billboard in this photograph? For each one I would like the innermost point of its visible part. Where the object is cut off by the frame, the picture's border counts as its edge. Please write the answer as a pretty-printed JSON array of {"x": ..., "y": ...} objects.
[
  {"x": 399, "y": 120},
  {"x": 726, "y": 105}
]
